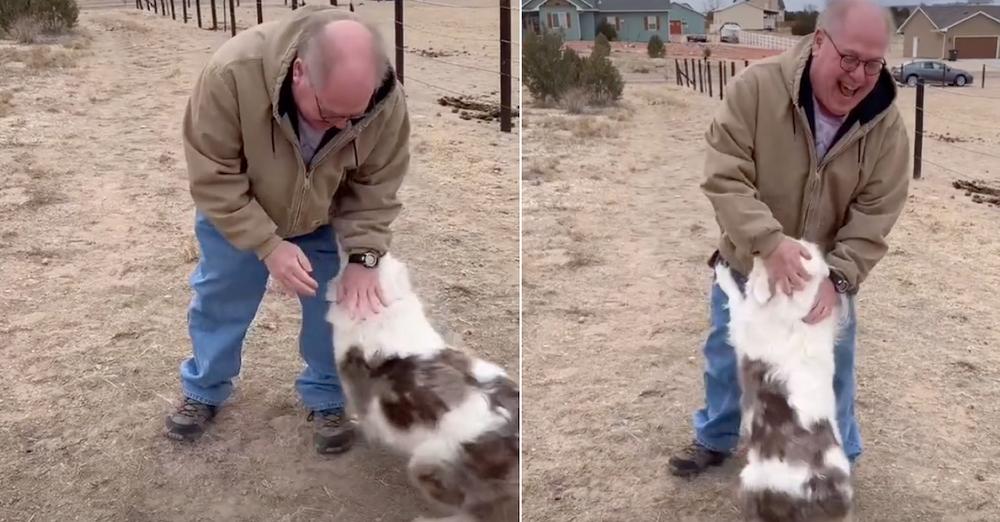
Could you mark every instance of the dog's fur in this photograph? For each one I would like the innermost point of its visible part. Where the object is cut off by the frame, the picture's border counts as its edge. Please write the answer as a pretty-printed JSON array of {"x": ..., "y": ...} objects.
[
  {"x": 796, "y": 468},
  {"x": 454, "y": 415}
]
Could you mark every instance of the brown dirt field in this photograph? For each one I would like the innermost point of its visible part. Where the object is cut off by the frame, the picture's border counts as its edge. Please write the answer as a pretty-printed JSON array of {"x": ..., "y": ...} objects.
[
  {"x": 95, "y": 252},
  {"x": 615, "y": 303}
]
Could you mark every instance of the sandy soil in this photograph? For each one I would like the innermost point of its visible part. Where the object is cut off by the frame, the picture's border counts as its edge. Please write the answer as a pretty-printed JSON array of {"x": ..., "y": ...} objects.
[
  {"x": 96, "y": 249},
  {"x": 617, "y": 233}
]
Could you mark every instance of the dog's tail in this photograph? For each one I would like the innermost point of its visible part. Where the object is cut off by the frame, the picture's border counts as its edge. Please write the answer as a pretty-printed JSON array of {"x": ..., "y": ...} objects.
[{"x": 725, "y": 280}]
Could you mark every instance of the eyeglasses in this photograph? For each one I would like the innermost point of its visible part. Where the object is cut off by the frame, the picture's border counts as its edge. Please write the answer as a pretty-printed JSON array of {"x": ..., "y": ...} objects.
[
  {"x": 329, "y": 119},
  {"x": 850, "y": 62}
]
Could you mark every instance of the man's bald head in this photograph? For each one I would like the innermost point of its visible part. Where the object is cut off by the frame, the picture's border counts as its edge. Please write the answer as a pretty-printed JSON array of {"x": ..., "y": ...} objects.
[
  {"x": 842, "y": 13},
  {"x": 342, "y": 48}
]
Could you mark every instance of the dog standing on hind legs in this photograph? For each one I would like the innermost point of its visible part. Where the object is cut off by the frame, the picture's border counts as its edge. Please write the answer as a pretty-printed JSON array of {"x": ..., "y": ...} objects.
[
  {"x": 796, "y": 468},
  {"x": 456, "y": 417}
]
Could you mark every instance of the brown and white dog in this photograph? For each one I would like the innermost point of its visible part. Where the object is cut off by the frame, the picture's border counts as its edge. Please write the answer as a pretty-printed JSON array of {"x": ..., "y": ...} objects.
[
  {"x": 796, "y": 468},
  {"x": 455, "y": 416}
]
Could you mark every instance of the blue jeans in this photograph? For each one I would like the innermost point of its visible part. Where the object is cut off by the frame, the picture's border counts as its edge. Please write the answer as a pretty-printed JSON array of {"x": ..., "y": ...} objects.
[
  {"x": 717, "y": 425},
  {"x": 228, "y": 286}
]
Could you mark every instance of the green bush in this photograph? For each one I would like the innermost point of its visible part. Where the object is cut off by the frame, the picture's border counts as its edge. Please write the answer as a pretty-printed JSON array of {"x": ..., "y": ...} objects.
[
  {"x": 601, "y": 80},
  {"x": 601, "y": 46},
  {"x": 608, "y": 31},
  {"x": 655, "y": 47},
  {"x": 804, "y": 23},
  {"x": 52, "y": 15},
  {"x": 551, "y": 72}
]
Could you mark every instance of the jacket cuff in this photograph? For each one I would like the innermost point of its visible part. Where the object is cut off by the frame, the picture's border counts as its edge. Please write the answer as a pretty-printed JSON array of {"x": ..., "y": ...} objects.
[
  {"x": 267, "y": 247},
  {"x": 766, "y": 245}
]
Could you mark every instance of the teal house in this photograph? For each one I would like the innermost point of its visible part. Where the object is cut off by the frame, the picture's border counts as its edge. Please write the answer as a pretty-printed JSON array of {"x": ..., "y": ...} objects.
[{"x": 634, "y": 20}]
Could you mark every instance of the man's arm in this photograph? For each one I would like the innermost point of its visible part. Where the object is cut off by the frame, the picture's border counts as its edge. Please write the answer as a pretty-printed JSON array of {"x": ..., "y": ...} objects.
[
  {"x": 213, "y": 146},
  {"x": 366, "y": 203},
  {"x": 730, "y": 172},
  {"x": 861, "y": 242}
]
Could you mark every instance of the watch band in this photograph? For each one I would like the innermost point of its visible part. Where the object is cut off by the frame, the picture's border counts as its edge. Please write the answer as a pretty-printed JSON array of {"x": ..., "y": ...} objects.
[
  {"x": 840, "y": 283},
  {"x": 367, "y": 259}
]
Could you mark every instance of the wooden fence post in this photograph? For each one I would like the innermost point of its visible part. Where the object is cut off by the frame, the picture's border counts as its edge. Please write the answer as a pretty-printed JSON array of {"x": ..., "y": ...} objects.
[
  {"x": 295, "y": 4},
  {"x": 732, "y": 69},
  {"x": 701, "y": 79},
  {"x": 197, "y": 8},
  {"x": 722, "y": 78},
  {"x": 708, "y": 76},
  {"x": 918, "y": 137},
  {"x": 215, "y": 19},
  {"x": 232, "y": 17},
  {"x": 398, "y": 37},
  {"x": 184, "y": 10},
  {"x": 687, "y": 74},
  {"x": 677, "y": 71},
  {"x": 173, "y": 10},
  {"x": 505, "y": 38},
  {"x": 983, "y": 86},
  {"x": 260, "y": 12}
]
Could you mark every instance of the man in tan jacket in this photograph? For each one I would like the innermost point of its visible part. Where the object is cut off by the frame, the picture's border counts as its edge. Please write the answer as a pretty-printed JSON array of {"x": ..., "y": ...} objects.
[
  {"x": 808, "y": 144},
  {"x": 296, "y": 136}
]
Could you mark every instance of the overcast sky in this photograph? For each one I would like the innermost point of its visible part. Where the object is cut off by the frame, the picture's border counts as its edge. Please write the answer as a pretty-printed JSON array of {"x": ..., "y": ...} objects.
[{"x": 795, "y": 5}]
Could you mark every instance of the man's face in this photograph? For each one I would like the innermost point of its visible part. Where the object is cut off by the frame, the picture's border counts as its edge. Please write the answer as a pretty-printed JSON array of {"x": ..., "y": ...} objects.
[
  {"x": 859, "y": 42},
  {"x": 344, "y": 96}
]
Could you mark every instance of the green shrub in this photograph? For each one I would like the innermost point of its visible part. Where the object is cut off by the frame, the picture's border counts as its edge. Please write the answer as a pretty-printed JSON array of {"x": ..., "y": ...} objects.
[
  {"x": 551, "y": 73},
  {"x": 655, "y": 47},
  {"x": 51, "y": 15},
  {"x": 608, "y": 31},
  {"x": 601, "y": 46},
  {"x": 804, "y": 24},
  {"x": 601, "y": 80}
]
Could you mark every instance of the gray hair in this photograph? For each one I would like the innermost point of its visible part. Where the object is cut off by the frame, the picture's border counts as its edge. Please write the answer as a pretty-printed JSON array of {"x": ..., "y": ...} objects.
[
  {"x": 319, "y": 63},
  {"x": 831, "y": 19}
]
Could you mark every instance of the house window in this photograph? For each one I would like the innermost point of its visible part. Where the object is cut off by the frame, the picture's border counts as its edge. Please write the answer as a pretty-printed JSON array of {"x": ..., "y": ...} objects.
[
  {"x": 559, "y": 20},
  {"x": 614, "y": 21},
  {"x": 652, "y": 23}
]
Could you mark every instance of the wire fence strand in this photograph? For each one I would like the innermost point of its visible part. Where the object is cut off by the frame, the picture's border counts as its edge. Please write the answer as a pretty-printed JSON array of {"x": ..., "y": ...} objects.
[
  {"x": 471, "y": 67},
  {"x": 441, "y": 4},
  {"x": 950, "y": 91},
  {"x": 513, "y": 43}
]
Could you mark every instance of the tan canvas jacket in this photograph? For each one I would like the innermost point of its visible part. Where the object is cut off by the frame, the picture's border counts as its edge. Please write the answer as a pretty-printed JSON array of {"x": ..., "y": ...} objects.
[
  {"x": 245, "y": 168},
  {"x": 764, "y": 181}
]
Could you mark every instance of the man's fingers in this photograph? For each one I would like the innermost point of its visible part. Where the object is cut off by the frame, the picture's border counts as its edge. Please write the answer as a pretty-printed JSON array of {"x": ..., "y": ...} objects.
[
  {"x": 299, "y": 274},
  {"x": 804, "y": 253},
  {"x": 380, "y": 295},
  {"x": 303, "y": 260},
  {"x": 340, "y": 292},
  {"x": 374, "y": 302}
]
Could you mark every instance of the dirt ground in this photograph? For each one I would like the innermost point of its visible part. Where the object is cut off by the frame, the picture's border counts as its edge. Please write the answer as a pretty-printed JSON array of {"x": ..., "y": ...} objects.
[
  {"x": 96, "y": 249},
  {"x": 617, "y": 235}
]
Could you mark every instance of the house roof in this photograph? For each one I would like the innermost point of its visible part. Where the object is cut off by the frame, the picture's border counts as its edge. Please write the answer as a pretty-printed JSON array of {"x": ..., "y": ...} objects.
[
  {"x": 612, "y": 6},
  {"x": 944, "y": 17},
  {"x": 686, "y": 6},
  {"x": 739, "y": 2},
  {"x": 608, "y": 6}
]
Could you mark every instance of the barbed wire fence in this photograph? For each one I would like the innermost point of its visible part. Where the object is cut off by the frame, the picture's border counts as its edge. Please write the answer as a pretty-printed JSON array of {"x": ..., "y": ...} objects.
[{"x": 192, "y": 10}]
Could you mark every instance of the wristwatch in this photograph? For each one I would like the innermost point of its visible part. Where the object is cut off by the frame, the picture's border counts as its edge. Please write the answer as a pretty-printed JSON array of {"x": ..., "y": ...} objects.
[
  {"x": 840, "y": 283},
  {"x": 367, "y": 259}
]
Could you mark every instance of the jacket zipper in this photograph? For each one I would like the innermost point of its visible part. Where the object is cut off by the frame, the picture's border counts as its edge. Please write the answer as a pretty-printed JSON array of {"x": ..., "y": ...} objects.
[{"x": 813, "y": 172}]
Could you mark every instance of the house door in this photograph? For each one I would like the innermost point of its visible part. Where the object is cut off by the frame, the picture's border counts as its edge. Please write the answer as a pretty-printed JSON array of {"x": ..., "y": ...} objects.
[
  {"x": 915, "y": 52},
  {"x": 676, "y": 27},
  {"x": 977, "y": 46}
]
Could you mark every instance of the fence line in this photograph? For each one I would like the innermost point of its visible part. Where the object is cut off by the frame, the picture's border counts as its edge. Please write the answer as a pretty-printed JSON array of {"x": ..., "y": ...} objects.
[
  {"x": 765, "y": 41},
  {"x": 505, "y": 41}
]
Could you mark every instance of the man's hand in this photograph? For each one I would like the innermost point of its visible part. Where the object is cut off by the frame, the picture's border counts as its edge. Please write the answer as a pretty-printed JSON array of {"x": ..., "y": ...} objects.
[
  {"x": 289, "y": 265},
  {"x": 826, "y": 301},
  {"x": 784, "y": 267},
  {"x": 359, "y": 291}
]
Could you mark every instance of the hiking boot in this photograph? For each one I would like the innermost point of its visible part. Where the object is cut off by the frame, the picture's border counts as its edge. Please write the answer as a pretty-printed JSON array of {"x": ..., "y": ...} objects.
[
  {"x": 333, "y": 432},
  {"x": 694, "y": 459},
  {"x": 188, "y": 422}
]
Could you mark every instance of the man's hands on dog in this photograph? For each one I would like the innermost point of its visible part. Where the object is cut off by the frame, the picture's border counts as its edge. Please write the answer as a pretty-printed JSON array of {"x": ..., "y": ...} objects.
[
  {"x": 289, "y": 265},
  {"x": 784, "y": 267},
  {"x": 826, "y": 300},
  {"x": 359, "y": 291}
]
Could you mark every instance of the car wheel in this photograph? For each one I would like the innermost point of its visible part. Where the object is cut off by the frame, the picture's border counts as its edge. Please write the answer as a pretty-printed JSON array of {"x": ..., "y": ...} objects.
[
  {"x": 960, "y": 81},
  {"x": 911, "y": 80}
]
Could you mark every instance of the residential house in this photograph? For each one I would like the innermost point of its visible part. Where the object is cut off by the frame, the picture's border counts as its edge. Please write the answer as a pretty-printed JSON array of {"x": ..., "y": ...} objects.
[
  {"x": 685, "y": 20},
  {"x": 634, "y": 20},
  {"x": 750, "y": 15},
  {"x": 931, "y": 31}
]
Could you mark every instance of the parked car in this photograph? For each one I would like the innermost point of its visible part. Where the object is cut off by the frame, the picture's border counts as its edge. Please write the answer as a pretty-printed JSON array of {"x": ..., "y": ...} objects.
[
  {"x": 932, "y": 71},
  {"x": 729, "y": 33},
  {"x": 697, "y": 37}
]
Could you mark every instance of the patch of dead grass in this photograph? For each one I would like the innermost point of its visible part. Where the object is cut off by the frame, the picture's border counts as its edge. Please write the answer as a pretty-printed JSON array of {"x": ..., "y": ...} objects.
[
  {"x": 541, "y": 170},
  {"x": 189, "y": 250},
  {"x": 6, "y": 103},
  {"x": 38, "y": 58},
  {"x": 25, "y": 30}
]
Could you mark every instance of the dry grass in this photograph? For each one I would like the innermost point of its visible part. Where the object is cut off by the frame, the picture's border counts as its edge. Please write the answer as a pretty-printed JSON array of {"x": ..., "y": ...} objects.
[
  {"x": 575, "y": 101},
  {"x": 6, "y": 103},
  {"x": 40, "y": 57},
  {"x": 25, "y": 30},
  {"x": 189, "y": 250}
]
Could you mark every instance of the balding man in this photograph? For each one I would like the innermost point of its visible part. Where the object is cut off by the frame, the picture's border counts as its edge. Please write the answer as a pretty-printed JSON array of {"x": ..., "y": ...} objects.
[
  {"x": 296, "y": 136},
  {"x": 808, "y": 144}
]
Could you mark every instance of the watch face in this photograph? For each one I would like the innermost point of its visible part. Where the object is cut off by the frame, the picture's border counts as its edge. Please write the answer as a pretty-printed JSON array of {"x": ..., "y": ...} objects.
[{"x": 370, "y": 259}]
